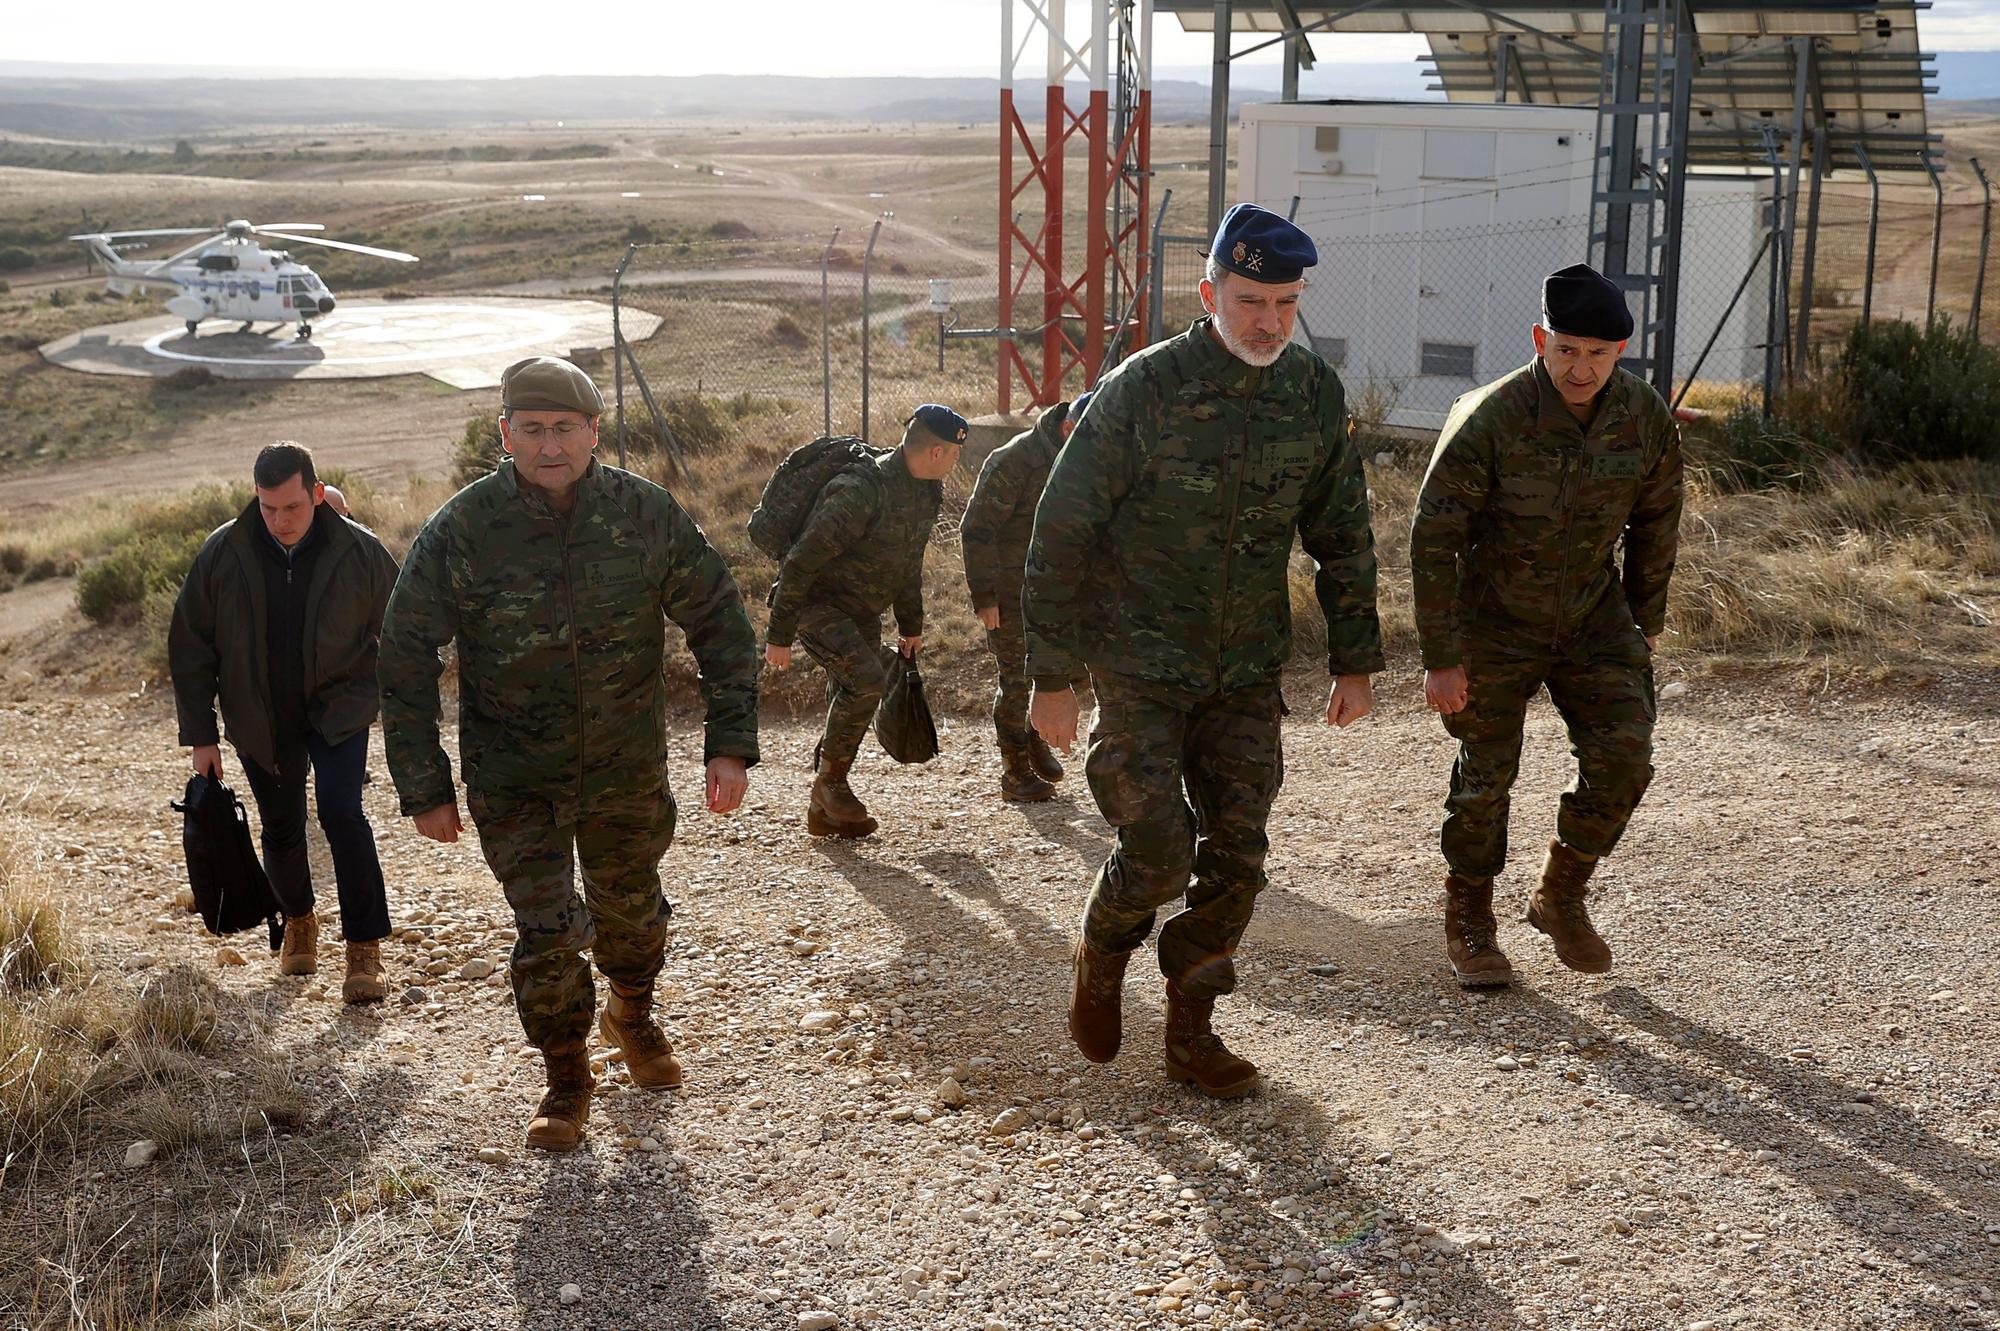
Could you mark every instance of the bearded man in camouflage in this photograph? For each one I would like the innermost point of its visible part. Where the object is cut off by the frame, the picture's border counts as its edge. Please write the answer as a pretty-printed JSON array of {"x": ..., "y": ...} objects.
[
  {"x": 1160, "y": 560},
  {"x": 555, "y": 576},
  {"x": 1535, "y": 481}
]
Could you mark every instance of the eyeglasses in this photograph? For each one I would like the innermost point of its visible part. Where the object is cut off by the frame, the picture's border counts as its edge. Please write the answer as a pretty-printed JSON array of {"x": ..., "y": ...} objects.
[{"x": 561, "y": 432}]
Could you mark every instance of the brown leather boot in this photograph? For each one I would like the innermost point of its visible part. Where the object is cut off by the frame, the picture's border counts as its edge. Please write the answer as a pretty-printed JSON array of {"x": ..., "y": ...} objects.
[
  {"x": 1557, "y": 909},
  {"x": 1196, "y": 1055},
  {"x": 1097, "y": 985},
  {"x": 1470, "y": 933},
  {"x": 365, "y": 982},
  {"x": 299, "y": 953},
  {"x": 1020, "y": 782},
  {"x": 628, "y": 1023},
  {"x": 559, "y": 1120},
  {"x": 1047, "y": 765},
  {"x": 834, "y": 810}
]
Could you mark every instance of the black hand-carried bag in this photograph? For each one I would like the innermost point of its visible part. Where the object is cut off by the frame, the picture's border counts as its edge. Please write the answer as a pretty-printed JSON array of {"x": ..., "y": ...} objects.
[
  {"x": 231, "y": 890},
  {"x": 903, "y": 721}
]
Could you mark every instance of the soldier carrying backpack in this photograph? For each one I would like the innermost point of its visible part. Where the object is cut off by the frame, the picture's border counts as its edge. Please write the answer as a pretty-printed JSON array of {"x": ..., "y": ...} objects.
[{"x": 848, "y": 525}]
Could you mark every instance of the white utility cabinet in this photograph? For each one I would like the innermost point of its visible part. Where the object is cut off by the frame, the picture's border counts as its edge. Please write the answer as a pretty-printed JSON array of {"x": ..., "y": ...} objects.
[{"x": 1436, "y": 222}]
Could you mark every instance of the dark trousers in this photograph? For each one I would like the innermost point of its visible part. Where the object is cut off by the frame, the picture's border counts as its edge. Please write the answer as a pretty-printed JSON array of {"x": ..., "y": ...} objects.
[{"x": 281, "y": 810}]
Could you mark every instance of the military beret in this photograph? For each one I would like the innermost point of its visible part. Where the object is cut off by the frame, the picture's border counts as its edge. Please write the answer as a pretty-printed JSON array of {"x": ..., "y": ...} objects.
[
  {"x": 941, "y": 423},
  {"x": 1258, "y": 244},
  {"x": 544, "y": 383},
  {"x": 1076, "y": 407},
  {"x": 1582, "y": 302}
]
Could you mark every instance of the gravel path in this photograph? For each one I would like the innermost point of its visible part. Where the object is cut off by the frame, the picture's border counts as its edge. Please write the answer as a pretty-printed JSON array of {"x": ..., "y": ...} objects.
[{"x": 1778, "y": 1112}]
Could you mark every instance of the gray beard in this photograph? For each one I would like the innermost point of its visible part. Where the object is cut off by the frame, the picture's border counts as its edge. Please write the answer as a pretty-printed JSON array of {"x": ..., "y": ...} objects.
[{"x": 1244, "y": 352}]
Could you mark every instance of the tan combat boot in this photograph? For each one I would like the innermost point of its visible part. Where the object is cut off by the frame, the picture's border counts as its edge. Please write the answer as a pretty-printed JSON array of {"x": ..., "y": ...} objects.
[
  {"x": 1097, "y": 985},
  {"x": 1470, "y": 933},
  {"x": 559, "y": 1120},
  {"x": 834, "y": 810},
  {"x": 1196, "y": 1055},
  {"x": 299, "y": 953},
  {"x": 1557, "y": 909},
  {"x": 1020, "y": 782},
  {"x": 1046, "y": 764},
  {"x": 628, "y": 1024},
  {"x": 365, "y": 982}
]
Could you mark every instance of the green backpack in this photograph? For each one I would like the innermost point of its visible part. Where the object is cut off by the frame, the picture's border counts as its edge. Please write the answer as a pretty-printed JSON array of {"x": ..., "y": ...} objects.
[{"x": 796, "y": 486}]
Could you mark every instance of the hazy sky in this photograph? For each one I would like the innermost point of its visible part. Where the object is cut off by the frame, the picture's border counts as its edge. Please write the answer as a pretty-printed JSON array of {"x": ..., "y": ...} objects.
[{"x": 662, "y": 37}]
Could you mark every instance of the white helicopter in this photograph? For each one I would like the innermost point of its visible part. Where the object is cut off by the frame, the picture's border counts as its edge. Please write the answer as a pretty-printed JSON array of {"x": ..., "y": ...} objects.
[{"x": 229, "y": 275}]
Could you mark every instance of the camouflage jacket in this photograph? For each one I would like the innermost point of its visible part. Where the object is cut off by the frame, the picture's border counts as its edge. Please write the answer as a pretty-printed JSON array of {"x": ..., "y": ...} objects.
[
  {"x": 1517, "y": 525},
  {"x": 561, "y": 630},
  {"x": 1000, "y": 515},
  {"x": 1178, "y": 494},
  {"x": 862, "y": 550}
]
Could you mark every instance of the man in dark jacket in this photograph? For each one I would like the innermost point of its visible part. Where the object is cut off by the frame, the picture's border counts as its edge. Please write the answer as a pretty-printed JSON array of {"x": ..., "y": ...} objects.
[
  {"x": 998, "y": 524},
  {"x": 278, "y": 621},
  {"x": 861, "y": 552}
]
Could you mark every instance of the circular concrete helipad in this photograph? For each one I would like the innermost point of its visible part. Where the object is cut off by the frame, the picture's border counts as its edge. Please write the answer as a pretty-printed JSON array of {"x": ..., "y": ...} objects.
[{"x": 464, "y": 342}]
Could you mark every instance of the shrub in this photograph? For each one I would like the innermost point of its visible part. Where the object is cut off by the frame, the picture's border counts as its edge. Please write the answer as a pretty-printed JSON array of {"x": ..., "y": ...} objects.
[
  {"x": 730, "y": 229},
  {"x": 187, "y": 378},
  {"x": 477, "y": 451},
  {"x": 1745, "y": 450},
  {"x": 1931, "y": 393},
  {"x": 787, "y": 331},
  {"x": 154, "y": 550},
  {"x": 13, "y": 259}
]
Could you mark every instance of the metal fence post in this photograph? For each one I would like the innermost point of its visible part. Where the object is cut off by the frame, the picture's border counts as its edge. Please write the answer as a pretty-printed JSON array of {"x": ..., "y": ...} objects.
[
  {"x": 1937, "y": 241},
  {"x": 867, "y": 260},
  {"x": 618, "y": 348},
  {"x": 825, "y": 338},
  {"x": 1874, "y": 225},
  {"x": 1985, "y": 244}
]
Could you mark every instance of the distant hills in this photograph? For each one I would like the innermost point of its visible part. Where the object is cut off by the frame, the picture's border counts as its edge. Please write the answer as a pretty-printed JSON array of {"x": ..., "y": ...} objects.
[{"x": 137, "y": 103}]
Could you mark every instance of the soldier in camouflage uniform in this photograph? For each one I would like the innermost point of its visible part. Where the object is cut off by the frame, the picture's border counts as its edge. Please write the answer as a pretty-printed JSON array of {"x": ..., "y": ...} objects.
[
  {"x": 555, "y": 576},
  {"x": 999, "y": 521},
  {"x": 1177, "y": 499},
  {"x": 862, "y": 551},
  {"x": 1535, "y": 481}
]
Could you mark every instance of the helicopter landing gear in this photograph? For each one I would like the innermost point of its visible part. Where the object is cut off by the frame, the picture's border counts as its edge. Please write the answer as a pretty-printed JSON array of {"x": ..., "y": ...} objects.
[
  {"x": 305, "y": 332},
  {"x": 246, "y": 326},
  {"x": 191, "y": 326}
]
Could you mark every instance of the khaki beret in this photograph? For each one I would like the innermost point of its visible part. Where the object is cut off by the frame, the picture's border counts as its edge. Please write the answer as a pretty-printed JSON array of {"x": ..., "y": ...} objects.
[{"x": 544, "y": 383}]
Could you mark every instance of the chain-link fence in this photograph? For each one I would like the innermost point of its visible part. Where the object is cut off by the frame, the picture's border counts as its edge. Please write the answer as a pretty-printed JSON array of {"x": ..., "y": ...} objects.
[
  {"x": 1414, "y": 316},
  {"x": 819, "y": 331}
]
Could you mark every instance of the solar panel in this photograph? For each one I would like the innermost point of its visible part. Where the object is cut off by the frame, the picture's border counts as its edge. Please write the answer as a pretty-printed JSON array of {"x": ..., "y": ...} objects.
[{"x": 1870, "y": 76}]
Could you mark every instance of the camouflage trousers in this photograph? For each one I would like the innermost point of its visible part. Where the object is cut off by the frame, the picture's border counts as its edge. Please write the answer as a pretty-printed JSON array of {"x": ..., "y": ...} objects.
[
  {"x": 533, "y": 846},
  {"x": 1603, "y": 689},
  {"x": 1009, "y": 644},
  {"x": 1188, "y": 790},
  {"x": 857, "y": 674}
]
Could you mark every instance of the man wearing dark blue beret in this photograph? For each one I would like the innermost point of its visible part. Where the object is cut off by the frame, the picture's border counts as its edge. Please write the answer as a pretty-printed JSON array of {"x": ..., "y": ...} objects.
[
  {"x": 861, "y": 552},
  {"x": 1159, "y": 560},
  {"x": 1537, "y": 480}
]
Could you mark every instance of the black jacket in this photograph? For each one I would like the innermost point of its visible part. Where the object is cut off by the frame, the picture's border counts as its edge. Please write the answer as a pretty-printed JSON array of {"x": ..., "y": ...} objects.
[{"x": 217, "y": 647}]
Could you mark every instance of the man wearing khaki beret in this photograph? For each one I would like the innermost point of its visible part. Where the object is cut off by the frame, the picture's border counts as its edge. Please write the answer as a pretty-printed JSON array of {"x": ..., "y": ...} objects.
[{"x": 555, "y": 576}]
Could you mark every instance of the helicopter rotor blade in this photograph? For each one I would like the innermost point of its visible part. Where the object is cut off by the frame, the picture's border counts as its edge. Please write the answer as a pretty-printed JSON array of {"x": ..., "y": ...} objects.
[
  {"x": 289, "y": 226},
  {"x": 170, "y": 231},
  {"x": 397, "y": 255}
]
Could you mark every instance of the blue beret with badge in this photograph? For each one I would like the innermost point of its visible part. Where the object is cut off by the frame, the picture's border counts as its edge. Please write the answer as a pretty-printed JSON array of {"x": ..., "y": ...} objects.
[
  {"x": 941, "y": 423},
  {"x": 1257, "y": 243}
]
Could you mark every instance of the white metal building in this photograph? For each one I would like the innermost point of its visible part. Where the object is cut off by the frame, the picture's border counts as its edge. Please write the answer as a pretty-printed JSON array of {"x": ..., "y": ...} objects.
[{"x": 1437, "y": 221}]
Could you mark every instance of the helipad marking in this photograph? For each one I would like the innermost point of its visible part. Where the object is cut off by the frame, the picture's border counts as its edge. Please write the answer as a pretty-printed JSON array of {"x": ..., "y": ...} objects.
[{"x": 547, "y": 327}]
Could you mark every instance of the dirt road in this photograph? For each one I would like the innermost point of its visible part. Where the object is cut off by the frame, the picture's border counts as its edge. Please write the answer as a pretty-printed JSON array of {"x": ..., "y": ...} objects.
[{"x": 1777, "y": 1112}]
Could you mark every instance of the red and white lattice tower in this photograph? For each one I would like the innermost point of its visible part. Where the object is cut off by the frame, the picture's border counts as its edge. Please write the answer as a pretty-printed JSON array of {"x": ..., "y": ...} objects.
[{"x": 1068, "y": 307}]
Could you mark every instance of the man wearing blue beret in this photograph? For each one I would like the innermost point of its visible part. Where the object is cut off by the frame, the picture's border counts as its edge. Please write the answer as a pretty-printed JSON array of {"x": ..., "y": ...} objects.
[
  {"x": 1159, "y": 560},
  {"x": 860, "y": 553},
  {"x": 1538, "y": 482}
]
